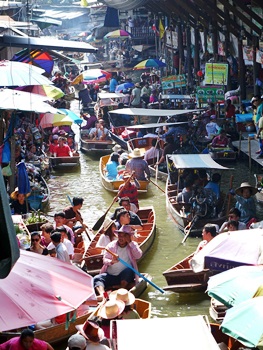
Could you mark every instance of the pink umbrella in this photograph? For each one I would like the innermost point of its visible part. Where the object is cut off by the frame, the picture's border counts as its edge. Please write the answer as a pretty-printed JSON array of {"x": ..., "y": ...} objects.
[{"x": 40, "y": 288}]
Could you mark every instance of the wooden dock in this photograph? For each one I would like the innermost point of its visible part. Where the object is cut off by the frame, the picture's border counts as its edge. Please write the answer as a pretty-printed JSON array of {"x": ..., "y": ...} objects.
[{"x": 248, "y": 147}]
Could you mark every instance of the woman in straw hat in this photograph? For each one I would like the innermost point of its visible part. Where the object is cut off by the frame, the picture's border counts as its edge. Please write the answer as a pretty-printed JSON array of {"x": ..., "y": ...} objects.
[
  {"x": 20, "y": 205},
  {"x": 107, "y": 234},
  {"x": 128, "y": 298},
  {"x": 245, "y": 202},
  {"x": 138, "y": 165}
]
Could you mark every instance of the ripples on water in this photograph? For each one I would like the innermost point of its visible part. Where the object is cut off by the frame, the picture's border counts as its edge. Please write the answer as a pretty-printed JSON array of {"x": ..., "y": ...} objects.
[{"x": 167, "y": 248}]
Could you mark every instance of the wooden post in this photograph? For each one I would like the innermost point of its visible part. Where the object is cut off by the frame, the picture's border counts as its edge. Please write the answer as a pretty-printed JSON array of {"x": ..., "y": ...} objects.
[
  {"x": 249, "y": 152},
  {"x": 239, "y": 144}
]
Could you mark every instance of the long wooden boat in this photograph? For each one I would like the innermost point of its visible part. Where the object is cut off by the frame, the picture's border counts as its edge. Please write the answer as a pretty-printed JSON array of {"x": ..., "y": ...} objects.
[
  {"x": 226, "y": 154},
  {"x": 259, "y": 183},
  {"x": 181, "y": 278},
  {"x": 94, "y": 147},
  {"x": 93, "y": 256},
  {"x": 217, "y": 310},
  {"x": 191, "y": 215},
  {"x": 114, "y": 185},
  {"x": 64, "y": 163}
]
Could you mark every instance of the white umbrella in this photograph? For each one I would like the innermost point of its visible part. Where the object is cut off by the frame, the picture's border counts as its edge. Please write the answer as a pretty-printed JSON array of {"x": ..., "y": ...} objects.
[
  {"x": 25, "y": 101},
  {"x": 20, "y": 74}
]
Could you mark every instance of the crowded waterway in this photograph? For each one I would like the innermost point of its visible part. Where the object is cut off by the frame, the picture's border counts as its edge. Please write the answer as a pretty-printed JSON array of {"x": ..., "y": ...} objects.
[{"x": 167, "y": 248}]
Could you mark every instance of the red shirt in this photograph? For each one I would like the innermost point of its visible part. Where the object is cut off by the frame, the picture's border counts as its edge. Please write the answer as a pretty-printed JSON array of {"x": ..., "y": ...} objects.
[
  {"x": 15, "y": 344},
  {"x": 132, "y": 192},
  {"x": 63, "y": 151},
  {"x": 230, "y": 112}
]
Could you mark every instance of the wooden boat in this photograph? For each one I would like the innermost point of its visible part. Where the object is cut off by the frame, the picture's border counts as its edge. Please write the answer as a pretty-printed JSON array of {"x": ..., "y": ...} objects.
[
  {"x": 40, "y": 195},
  {"x": 223, "y": 154},
  {"x": 64, "y": 163},
  {"x": 217, "y": 310},
  {"x": 113, "y": 185},
  {"x": 220, "y": 337},
  {"x": 94, "y": 257},
  {"x": 94, "y": 146},
  {"x": 181, "y": 278},
  {"x": 258, "y": 184},
  {"x": 187, "y": 215}
]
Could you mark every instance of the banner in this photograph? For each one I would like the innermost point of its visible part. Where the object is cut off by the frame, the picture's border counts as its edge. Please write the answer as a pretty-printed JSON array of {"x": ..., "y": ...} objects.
[
  {"x": 161, "y": 29},
  {"x": 216, "y": 73},
  {"x": 173, "y": 81},
  {"x": 171, "y": 39},
  {"x": 259, "y": 56},
  {"x": 207, "y": 94},
  {"x": 248, "y": 53}
]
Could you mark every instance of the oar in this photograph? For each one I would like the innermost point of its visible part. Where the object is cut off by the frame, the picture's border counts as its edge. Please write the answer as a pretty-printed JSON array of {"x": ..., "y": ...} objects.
[
  {"x": 191, "y": 224},
  {"x": 157, "y": 186},
  {"x": 80, "y": 220},
  {"x": 135, "y": 271},
  {"x": 98, "y": 224}
]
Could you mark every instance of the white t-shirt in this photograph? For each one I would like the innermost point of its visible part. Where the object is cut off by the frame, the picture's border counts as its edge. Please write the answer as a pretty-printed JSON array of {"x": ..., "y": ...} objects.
[
  {"x": 67, "y": 244},
  {"x": 117, "y": 268}
]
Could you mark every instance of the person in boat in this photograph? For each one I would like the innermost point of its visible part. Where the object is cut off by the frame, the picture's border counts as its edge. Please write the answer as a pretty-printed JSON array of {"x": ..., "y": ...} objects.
[
  {"x": 169, "y": 148},
  {"x": 26, "y": 341},
  {"x": 84, "y": 96},
  {"x": 232, "y": 225},
  {"x": 220, "y": 141},
  {"x": 76, "y": 342},
  {"x": 36, "y": 246},
  {"x": 46, "y": 232},
  {"x": 244, "y": 196},
  {"x": 99, "y": 132},
  {"x": 61, "y": 250},
  {"x": 138, "y": 165},
  {"x": 90, "y": 119},
  {"x": 208, "y": 233},
  {"x": 213, "y": 184},
  {"x": 111, "y": 171},
  {"x": 135, "y": 101},
  {"x": 94, "y": 335},
  {"x": 153, "y": 153},
  {"x": 187, "y": 192},
  {"x": 230, "y": 109},
  {"x": 125, "y": 202},
  {"x": 60, "y": 220},
  {"x": 233, "y": 214},
  {"x": 123, "y": 159},
  {"x": 106, "y": 233},
  {"x": 19, "y": 204},
  {"x": 53, "y": 144},
  {"x": 128, "y": 298},
  {"x": 73, "y": 215},
  {"x": 113, "y": 272},
  {"x": 212, "y": 128},
  {"x": 72, "y": 144},
  {"x": 62, "y": 149},
  {"x": 130, "y": 189},
  {"x": 123, "y": 216},
  {"x": 64, "y": 239}
]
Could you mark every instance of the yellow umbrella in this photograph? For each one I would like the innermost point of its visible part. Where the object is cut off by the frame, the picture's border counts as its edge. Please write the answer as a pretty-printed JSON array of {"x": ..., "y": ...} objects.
[{"x": 50, "y": 120}]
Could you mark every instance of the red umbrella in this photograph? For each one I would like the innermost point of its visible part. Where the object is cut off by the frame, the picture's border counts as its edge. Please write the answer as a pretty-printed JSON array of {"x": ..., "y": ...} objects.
[{"x": 40, "y": 288}]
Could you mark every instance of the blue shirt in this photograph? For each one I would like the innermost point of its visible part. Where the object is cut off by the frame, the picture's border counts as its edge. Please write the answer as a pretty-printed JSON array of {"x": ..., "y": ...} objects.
[
  {"x": 113, "y": 84},
  {"x": 111, "y": 168}
]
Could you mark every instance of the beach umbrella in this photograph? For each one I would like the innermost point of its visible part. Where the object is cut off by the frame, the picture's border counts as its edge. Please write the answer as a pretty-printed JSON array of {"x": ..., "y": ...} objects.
[
  {"x": 23, "y": 183},
  {"x": 244, "y": 322},
  {"x": 234, "y": 286},
  {"x": 38, "y": 58},
  {"x": 119, "y": 33},
  {"x": 39, "y": 288},
  {"x": 124, "y": 86},
  {"x": 50, "y": 91},
  {"x": 50, "y": 119},
  {"x": 150, "y": 63},
  {"x": 25, "y": 101},
  {"x": 20, "y": 74},
  {"x": 92, "y": 76},
  {"x": 75, "y": 118}
]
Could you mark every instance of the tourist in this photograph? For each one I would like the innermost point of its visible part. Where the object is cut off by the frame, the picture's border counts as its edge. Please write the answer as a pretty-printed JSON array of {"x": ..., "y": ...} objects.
[
  {"x": 36, "y": 246},
  {"x": 220, "y": 141},
  {"x": 62, "y": 149},
  {"x": 154, "y": 153},
  {"x": 124, "y": 216},
  {"x": 60, "y": 220},
  {"x": 106, "y": 233},
  {"x": 111, "y": 171},
  {"x": 125, "y": 202},
  {"x": 84, "y": 97},
  {"x": 61, "y": 250},
  {"x": 76, "y": 342},
  {"x": 187, "y": 192},
  {"x": 64, "y": 239},
  {"x": 46, "y": 232},
  {"x": 113, "y": 272},
  {"x": 232, "y": 225},
  {"x": 208, "y": 233},
  {"x": 113, "y": 83},
  {"x": 135, "y": 100},
  {"x": 93, "y": 334},
  {"x": 213, "y": 184},
  {"x": 26, "y": 341},
  {"x": 128, "y": 298},
  {"x": 130, "y": 189},
  {"x": 20, "y": 204},
  {"x": 138, "y": 165},
  {"x": 212, "y": 128},
  {"x": 233, "y": 214},
  {"x": 245, "y": 202}
]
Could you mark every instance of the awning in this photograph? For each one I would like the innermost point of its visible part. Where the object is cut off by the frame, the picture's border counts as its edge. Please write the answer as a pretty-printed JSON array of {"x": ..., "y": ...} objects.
[
  {"x": 103, "y": 95},
  {"x": 44, "y": 22},
  {"x": 195, "y": 161},
  {"x": 153, "y": 334},
  {"x": 51, "y": 44},
  {"x": 153, "y": 112},
  {"x": 153, "y": 125}
]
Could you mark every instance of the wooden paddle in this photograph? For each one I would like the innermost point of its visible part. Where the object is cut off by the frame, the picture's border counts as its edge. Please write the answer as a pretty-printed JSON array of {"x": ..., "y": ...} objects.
[
  {"x": 157, "y": 186},
  {"x": 80, "y": 220},
  {"x": 99, "y": 222},
  {"x": 190, "y": 226},
  {"x": 135, "y": 271}
]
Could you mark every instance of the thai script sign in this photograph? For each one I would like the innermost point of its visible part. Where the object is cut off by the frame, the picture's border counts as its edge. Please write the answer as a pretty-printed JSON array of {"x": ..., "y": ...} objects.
[
  {"x": 216, "y": 73},
  {"x": 173, "y": 81}
]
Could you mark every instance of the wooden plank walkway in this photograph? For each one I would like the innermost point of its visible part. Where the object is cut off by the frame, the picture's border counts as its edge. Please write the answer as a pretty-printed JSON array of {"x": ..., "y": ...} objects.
[{"x": 249, "y": 147}]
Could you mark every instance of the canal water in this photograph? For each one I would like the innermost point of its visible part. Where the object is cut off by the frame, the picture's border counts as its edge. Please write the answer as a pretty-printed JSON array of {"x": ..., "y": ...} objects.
[{"x": 167, "y": 248}]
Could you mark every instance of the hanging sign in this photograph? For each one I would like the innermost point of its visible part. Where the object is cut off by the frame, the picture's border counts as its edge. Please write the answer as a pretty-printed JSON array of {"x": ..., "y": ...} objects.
[{"x": 216, "y": 73}]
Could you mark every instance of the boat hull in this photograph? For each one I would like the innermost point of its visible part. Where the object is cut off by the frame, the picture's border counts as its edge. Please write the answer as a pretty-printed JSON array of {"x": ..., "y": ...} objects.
[
  {"x": 95, "y": 147},
  {"x": 64, "y": 163}
]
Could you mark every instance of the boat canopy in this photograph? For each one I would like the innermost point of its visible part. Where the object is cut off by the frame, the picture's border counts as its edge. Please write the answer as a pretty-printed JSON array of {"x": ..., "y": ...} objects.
[
  {"x": 153, "y": 333},
  {"x": 103, "y": 95},
  {"x": 195, "y": 161},
  {"x": 153, "y": 125},
  {"x": 153, "y": 112}
]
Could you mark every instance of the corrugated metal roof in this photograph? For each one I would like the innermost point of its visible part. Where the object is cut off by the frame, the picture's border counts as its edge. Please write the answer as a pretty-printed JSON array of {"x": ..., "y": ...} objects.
[{"x": 64, "y": 15}]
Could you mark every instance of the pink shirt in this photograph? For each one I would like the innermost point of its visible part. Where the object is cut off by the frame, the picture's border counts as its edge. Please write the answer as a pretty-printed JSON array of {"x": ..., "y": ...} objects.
[{"x": 14, "y": 344}]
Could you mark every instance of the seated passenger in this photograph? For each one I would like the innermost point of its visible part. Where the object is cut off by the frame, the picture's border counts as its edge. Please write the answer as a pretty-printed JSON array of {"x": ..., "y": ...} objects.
[
  {"x": 214, "y": 184},
  {"x": 187, "y": 192},
  {"x": 128, "y": 298},
  {"x": 126, "y": 217},
  {"x": 99, "y": 132},
  {"x": 245, "y": 202},
  {"x": 212, "y": 128},
  {"x": 111, "y": 167},
  {"x": 220, "y": 141},
  {"x": 36, "y": 246},
  {"x": 232, "y": 225},
  {"x": 129, "y": 189},
  {"x": 62, "y": 149},
  {"x": 234, "y": 214},
  {"x": 106, "y": 233}
]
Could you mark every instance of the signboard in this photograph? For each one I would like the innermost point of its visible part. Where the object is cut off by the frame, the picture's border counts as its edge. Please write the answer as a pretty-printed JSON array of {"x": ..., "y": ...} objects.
[
  {"x": 216, "y": 73},
  {"x": 207, "y": 94},
  {"x": 171, "y": 39},
  {"x": 173, "y": 81}
]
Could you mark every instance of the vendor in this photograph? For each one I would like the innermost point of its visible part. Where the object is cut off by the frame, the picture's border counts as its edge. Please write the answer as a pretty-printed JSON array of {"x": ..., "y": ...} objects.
[{"x": 20, "y": 205}]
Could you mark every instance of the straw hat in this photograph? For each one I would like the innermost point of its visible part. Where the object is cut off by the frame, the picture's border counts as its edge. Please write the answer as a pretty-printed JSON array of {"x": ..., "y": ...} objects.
[
  {"x": 252, "y": 189},
  {"x": 111, "y": 309},
  {"x": 106, "y": 224},
  {"x": 125, "y": 229},
  {"x": 124, "y": 295},
  {"x": 116, "y": 148},
  {"x": 136, "y": 153},
  {"x": 15, "y": 193},
  {"x": 77, "y": 341},
  {"x": 91, "y": 331}
]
